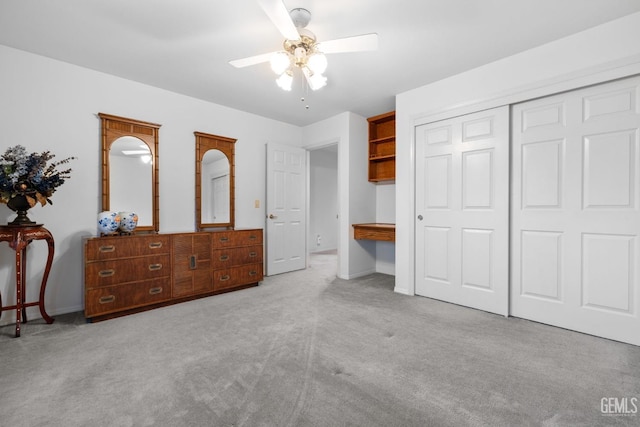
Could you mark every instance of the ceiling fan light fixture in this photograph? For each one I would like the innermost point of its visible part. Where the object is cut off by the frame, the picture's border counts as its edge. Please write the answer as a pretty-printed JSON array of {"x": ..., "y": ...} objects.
[
  {"x": 315, "y": 80},
  {"x": 300, "y": 56},
  {"x": 317, "y": 63},
  {"x": 301, "y": 48},
  {"x": 285, "y": 81},
  {"x": 279, "y": 62}
]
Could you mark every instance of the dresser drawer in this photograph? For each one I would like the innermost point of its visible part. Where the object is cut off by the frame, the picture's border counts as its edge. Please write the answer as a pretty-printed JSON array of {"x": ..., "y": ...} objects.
[
  {"x": 237, "y": 276},
  {"x": 110, "y": 299},
  {"x": 111, "y": 272},
  {"x": 225, "y": 258},
  {"x": 103, "y": 248},
  {"x": 225, "y": 239}
]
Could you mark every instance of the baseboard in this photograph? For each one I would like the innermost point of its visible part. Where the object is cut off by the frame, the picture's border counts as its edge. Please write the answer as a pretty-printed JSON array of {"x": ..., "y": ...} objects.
[
  {"x": 360, "y": 274},
  {"x": 33, "y": 313}
]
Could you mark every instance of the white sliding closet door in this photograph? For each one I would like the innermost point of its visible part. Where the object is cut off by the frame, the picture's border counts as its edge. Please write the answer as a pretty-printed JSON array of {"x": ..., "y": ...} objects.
[
  {"x": 462, "y": 210},
  {"x": 575, "y": 210}
]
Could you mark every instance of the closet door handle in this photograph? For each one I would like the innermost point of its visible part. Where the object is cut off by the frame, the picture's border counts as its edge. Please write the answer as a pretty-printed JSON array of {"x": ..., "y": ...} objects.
[
  {"x": 272, "y": 216},
  {"x": 192, "y": 262}
]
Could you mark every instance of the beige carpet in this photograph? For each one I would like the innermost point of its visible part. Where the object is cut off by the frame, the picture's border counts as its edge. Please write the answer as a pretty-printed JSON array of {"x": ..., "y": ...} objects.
[{"x": 305, "y": 349}]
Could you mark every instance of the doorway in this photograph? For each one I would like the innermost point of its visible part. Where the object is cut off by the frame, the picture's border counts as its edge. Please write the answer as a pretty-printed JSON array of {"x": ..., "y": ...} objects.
[{"x": 323, "y": 200}]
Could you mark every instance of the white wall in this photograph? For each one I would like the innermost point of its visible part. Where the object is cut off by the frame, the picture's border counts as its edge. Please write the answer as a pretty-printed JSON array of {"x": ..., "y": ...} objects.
[
  {"x": 602, "y": 53},
  {"x": 323, "y": 200},
  {"x": 51, "y": 105},
  {"x": 362, "y": 197},
  {"x": 386, "y": 213}
]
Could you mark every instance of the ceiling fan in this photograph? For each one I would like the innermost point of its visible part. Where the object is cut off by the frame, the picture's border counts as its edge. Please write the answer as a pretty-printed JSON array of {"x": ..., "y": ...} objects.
[{"x": 300, "y": 47}]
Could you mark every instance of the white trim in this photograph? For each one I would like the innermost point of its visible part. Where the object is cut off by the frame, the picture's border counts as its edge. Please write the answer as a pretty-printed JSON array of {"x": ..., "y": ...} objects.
[
  {"x": 309, "y": 148},
  {"x": 359, "y": 274},
  {"x": 594, "y": 75}
]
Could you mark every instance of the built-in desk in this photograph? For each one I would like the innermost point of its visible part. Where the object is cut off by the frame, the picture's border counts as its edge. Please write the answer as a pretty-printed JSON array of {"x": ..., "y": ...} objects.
[{"x": 375, "y": 231}]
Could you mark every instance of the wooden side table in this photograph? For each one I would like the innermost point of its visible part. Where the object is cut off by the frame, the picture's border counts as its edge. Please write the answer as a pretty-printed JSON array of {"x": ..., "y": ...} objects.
[{"x": 19, "y": 238}]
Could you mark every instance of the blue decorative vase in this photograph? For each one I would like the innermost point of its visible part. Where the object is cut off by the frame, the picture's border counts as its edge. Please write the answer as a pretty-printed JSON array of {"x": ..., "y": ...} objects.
[
  {"x": 108, "y": 222},
  {"x": 128, "y": 221}
]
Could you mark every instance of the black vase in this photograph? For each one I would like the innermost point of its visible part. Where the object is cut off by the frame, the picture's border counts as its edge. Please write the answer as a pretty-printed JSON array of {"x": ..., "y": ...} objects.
[{"x": 20, "y": 205}]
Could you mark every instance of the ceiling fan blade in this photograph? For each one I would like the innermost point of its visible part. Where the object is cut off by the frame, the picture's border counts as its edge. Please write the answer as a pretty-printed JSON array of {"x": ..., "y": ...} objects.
[
  {"x": 251, "y": 60},
  {"x": 279, "y": 15},
  {"x": 360, "y": 43}
]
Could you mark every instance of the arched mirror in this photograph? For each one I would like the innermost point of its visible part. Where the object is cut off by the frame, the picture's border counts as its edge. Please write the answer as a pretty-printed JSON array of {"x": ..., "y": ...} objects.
[
  {"x": 130, "y": 169},
  {"x": 215, "y": 184}
]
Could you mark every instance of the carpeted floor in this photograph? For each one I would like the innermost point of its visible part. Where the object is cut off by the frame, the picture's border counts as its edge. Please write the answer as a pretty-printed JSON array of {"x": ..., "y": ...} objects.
[{"x": 306, "y": 349}]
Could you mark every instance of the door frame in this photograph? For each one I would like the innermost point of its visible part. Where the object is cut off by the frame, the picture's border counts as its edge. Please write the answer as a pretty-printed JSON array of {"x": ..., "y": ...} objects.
[{"x": 309, "y": 149}]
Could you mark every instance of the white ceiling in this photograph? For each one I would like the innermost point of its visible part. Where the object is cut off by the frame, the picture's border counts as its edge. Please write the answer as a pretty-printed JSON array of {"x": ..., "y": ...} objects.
[{"x": 184, "y": 45}]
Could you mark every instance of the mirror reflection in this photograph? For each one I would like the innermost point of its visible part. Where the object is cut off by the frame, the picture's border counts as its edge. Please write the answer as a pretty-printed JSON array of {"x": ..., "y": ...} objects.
[
  {"x": 131, "y": 175},
  {"x": 215, "y": 186}
]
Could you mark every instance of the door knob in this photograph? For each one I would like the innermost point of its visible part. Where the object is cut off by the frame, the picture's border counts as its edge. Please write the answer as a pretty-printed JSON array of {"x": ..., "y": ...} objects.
[
  {"x": 420, "y": 217},
  {"x": 272, "y": 216}
]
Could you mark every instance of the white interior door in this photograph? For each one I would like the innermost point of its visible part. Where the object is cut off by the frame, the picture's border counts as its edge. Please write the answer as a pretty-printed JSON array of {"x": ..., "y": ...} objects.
[
  {"x": 462, "y": 203},
  {"x": 575, "y": 218},
  {"x": 286, "y": 216}
]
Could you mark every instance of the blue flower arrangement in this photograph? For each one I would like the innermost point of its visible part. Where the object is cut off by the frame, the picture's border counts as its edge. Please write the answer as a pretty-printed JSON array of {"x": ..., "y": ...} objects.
[{"x": 30, "y": 175}]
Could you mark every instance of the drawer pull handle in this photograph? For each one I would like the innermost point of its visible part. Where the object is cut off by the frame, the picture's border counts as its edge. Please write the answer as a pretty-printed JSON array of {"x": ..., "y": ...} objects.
[
  {"x": 155, "y": 245},
  {"x": 224, "y": 257},
  {"x": 192, "y": 262},
  {"x": 154, "y": 267},
  {"x": 106, "y": 273},
  {"x": 253, "y": 254},
  {"x": 110, "y": 248},
  {"x": 253, "y": 237},
  {"x": 224, "y": 239},
  {"x": 225, "y": 278},
  {"x": 253, "y": 273},
  {"x": 155, "y": 291},
  {"x": 107, "y": 299}
]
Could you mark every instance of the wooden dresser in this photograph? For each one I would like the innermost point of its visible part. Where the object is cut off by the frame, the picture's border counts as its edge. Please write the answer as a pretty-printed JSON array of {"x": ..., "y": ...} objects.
[{"x": 125, "y": 274}]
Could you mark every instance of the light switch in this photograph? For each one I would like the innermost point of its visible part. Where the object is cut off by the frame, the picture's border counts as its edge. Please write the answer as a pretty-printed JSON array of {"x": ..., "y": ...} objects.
[{"x": 256, "y": 204}]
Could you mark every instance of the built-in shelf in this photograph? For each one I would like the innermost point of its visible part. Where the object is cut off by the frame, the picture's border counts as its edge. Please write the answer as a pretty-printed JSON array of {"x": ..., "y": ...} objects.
[
  {"x": 375, "y": 231},
  {"x": 379, "y": 158},
  {"x": 382, "y": 147}
]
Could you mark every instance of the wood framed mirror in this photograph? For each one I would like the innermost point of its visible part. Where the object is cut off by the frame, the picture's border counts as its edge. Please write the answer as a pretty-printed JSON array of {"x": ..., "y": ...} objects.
[
  {"x": 215, "y": 181},
  {"x": 130, "y": 169}
]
